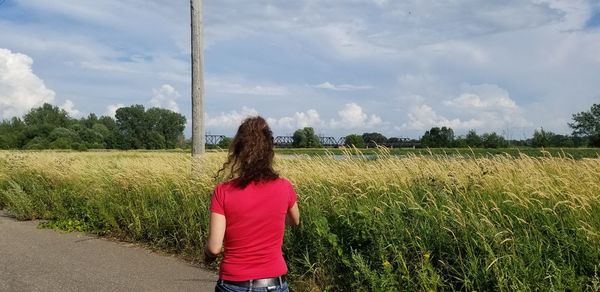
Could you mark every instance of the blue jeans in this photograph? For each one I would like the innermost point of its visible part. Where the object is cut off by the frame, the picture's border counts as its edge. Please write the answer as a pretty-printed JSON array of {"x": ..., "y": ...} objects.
[{"x": 223, "y": 287}]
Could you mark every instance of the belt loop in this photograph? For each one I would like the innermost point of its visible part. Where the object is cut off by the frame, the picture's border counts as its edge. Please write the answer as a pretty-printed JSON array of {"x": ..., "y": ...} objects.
[
  {"x": 280, "y": 282},
  {"x": 251, "y": 285}
]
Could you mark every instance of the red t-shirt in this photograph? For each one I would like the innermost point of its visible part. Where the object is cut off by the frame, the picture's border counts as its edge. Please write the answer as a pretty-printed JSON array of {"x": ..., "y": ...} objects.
[{"x": 255, "y": 222}]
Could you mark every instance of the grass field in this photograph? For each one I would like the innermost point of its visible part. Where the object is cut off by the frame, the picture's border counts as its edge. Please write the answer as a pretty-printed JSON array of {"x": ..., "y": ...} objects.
[
  {"x": 431, "y": 222},
  {"x": 576, "y": 153}
]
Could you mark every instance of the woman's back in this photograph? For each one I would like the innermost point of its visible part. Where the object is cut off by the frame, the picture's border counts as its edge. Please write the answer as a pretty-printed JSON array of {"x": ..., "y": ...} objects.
[
  {"x": 255, "y": 223},
  {"x": 249, "y": 213}
]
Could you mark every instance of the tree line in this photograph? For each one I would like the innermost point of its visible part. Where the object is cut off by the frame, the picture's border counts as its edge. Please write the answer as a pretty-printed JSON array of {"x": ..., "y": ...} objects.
[
  {"x": 585, "y": 125},
  {"x": 134, "y": 127}
]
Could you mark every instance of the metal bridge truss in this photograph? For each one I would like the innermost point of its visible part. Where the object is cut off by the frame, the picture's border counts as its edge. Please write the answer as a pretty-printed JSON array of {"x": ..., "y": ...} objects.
[
  {"x": 284, "y": 141},
  {"x": 287, "y": 141},
  {"x": 214, "y": 139},
  {"x": 329, "y": 142}
]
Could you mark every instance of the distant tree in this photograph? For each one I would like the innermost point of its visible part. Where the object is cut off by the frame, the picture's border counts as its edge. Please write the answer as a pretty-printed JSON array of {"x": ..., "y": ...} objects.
[
  {"x": 39, "y": 122},
  {"x": 354, "y": 140},
  {"x": 12, "y": 133},
  {"x": 79, "y": 146},
  {"x": 447, "y": 136},
  {"x": 113, "y": 139},
  {"x": 61, "y": 143},
  {"x": 588, "y": 124},
  {"x": 299, "y": 139},
  {"x": 519, "y": 143},
  {"x": 4, "y": 142},
  {"x": 306, "y": 138},
  {"x": 49, "y": 126},
  {"x": 91, "y": 138},
  {"x": 579, "y": 141},
  {"x": 493, "y": 140},
  {"x": 37, "y": 143},
  {"x": 102, "y": 130},
  {"x": 33, "y": 131},
  {"x": 312, "y": 138},
  {"x": 594, "y": 140},
  {"x": 48, "y": 115},
  {"x": 427, "y": 139},
  {"x": 459, "y": 142},
  {"x": 473, "y": 140},
  {"x": 438, "y": 137},
  {"x": 89, "y": 121},
  {"x": 132, "y": 125},
  {"x": 225, "y": 143},
  {"x": 62, "y": 138},
  {"x": 107, "y": 121},
  {"x": 541, "y": 138},
  {"x": 561, "y": 141},
  {"x": 155, "y": 140},
  {"x": 374, "y": 138},
  {"x": 168, "y": 123}
]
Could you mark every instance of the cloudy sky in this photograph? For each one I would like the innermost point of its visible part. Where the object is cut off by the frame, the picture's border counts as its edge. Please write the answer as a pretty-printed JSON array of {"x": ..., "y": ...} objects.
[{"x": 341, "y": 66}]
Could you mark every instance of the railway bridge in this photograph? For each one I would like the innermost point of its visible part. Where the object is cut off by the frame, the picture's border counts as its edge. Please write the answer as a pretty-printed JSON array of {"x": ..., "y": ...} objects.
[{"x": 326, "y": 141}]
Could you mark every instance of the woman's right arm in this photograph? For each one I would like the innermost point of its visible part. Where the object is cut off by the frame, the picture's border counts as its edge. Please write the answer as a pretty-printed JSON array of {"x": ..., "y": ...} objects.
[{"x": 292, "y": 217}]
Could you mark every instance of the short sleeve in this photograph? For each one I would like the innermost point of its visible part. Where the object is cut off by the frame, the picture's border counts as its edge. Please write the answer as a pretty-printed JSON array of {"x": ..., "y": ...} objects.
[
  {"x": 217, "y": 200},
  {"x": 292, "y": 196}
]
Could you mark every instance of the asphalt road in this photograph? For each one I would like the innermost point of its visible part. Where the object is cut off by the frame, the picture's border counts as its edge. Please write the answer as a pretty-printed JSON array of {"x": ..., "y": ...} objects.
[{"x": 33, "y": 259}]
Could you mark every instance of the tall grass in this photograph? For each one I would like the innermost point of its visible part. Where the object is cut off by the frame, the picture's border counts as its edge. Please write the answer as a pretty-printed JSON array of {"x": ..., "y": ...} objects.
[{"x": 413, "y": 223}]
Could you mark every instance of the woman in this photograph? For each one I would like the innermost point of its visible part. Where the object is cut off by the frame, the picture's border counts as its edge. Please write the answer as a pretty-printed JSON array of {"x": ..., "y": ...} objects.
[{"x": 249, "y": 213}]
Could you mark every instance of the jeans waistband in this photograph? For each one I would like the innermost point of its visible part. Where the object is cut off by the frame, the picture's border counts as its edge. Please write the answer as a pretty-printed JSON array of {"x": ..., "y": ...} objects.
[{"x": 257, "y": 283}]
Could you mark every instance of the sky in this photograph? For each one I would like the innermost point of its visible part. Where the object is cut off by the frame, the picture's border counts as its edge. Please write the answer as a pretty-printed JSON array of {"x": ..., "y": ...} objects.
[{"x": 340, "y": 66}]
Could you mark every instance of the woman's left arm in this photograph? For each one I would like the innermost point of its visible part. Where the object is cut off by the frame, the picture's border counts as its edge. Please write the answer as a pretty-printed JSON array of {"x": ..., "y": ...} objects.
[{"x": 216, "y": 234}]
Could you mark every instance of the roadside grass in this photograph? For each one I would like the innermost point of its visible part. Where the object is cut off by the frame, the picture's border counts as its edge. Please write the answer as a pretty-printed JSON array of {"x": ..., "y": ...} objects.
[{"x": 435, "y": 221}]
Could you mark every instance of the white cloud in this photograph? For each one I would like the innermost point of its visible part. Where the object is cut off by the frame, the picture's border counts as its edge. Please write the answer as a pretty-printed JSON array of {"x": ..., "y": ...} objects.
[
  {"x": 463, "y": 50},
  {"x": 484, "y": 97},
  {"x": 69, "y": 107},
  {"x": 348, "y": 40},
  {"x": 20, "y": 88},
  {"x": 165, "y": 97},
  {"x": 489, "y": 103},
  {"x": 423, "y": 117},
  {"x": 111, "y": 109},
  {"x": 112, "y": 67},
  {"x": 238, "y": 86},
  {"x": 352, "y": 116},
  {"x": 482, "y": 107},
  {"x": 230, "y": 120},
  {"x": 298, "y": 120},
  {"x": 341, "y": 87},
  {"x": 381, "y": 3}
]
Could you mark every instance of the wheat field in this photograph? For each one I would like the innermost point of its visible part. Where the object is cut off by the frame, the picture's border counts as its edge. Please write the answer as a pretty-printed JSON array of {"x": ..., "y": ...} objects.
[{"x": 435, "y": 222}]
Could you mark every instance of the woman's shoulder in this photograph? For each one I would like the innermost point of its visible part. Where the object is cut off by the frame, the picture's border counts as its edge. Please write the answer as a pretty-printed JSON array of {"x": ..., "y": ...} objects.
[
  {"x": 225, "y": 185},
  {"x": 285, "y": 184},
  {"x": 229, "y": 185},
  {"x": 283, "y": 181}
]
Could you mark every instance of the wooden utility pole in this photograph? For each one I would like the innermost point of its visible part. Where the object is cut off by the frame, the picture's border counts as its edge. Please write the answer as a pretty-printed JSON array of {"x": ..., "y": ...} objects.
[{"x": 198, "y": 139}]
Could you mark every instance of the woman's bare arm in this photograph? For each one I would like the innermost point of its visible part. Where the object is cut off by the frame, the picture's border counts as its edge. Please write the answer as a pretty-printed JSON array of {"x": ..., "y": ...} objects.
[
  {"x": 293, "y": 215},
  {"x": 216, "y": 233}
]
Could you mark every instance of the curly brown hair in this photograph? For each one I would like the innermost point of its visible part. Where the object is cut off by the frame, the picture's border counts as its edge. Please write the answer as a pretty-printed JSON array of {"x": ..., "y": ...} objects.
[{"x": 251, "y": 154}]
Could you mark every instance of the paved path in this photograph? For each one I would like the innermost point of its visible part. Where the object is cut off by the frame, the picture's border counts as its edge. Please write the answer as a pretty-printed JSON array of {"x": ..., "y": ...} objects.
[{"x": 34, "y": 259}]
